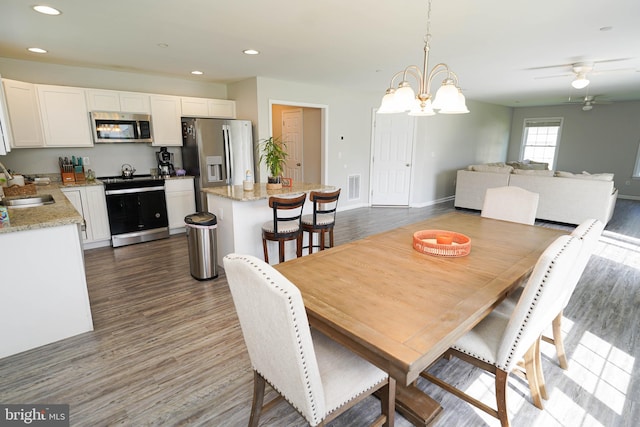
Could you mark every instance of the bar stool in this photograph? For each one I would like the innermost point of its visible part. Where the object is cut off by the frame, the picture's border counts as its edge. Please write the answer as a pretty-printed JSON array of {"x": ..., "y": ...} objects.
[
  {"x": 287, "y": 212},
  {"x": 323, "y": 218}
]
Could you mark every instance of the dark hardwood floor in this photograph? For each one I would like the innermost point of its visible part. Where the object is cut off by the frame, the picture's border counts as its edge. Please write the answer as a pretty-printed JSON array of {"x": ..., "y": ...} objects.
[{"x": 167, "y": 349}]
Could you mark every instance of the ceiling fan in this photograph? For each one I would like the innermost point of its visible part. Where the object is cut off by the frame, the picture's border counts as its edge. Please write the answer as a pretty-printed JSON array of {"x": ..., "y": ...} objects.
[
  {"x": 589, "y": 101},
  {"x": 581, "y": 70}
]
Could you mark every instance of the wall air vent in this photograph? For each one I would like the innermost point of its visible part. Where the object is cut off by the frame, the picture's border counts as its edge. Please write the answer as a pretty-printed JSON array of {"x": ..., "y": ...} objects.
[{"x": 354, "y": 187}]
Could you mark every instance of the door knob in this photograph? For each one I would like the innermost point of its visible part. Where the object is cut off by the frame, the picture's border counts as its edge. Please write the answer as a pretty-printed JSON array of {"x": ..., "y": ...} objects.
[
  {"x": 298, "y": 164},
  {"x": 408, "y": 164}
]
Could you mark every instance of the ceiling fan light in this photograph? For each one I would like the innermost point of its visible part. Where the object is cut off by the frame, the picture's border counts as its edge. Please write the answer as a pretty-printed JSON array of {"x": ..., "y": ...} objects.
[{"x": 580, "y": 82}]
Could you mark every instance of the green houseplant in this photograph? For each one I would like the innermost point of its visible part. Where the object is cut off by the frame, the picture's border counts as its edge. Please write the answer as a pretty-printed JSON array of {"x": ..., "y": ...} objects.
[{"x": 274, "y": 156}]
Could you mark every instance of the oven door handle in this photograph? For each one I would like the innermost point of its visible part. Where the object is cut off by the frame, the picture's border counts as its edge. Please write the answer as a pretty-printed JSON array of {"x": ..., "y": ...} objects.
[{"x": 134, "y": 190}]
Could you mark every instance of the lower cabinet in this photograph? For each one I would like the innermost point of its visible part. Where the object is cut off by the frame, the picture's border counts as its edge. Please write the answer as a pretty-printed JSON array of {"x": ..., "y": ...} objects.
[
  {"x": 90, "y": 202},
  {"x": 181, "y": 201}
]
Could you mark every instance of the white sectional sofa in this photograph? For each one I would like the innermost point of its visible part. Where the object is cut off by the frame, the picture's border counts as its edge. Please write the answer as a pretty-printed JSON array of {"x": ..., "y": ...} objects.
[{"x": 564, "y": 198}]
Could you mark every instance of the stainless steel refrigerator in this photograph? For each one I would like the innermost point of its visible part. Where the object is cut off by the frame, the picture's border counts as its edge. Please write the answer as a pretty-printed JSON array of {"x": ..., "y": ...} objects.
[{"x": 216, "y": 152}]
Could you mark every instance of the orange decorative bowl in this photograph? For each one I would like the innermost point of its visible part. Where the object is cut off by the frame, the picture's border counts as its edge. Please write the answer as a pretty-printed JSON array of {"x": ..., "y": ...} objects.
[{"x": 436, "y": 242}]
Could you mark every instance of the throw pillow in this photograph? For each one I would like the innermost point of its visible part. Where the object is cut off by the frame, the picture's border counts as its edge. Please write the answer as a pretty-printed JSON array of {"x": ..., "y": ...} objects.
[
  {"x": 533, "y": 172},
  {"x": 494, "y": 169}
]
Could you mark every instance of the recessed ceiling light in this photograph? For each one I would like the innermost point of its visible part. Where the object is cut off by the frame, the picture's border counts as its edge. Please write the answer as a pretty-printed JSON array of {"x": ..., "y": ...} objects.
[
  {"x": 36, "y": 50},
  {"x": 47, "y": 10},
  {"x": 197, "y": 73},
  {"x": 250, "y": 52}
]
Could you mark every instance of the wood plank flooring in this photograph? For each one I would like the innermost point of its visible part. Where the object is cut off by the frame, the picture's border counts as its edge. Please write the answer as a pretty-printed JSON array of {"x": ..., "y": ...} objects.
[{"x": 167, "y": 349}]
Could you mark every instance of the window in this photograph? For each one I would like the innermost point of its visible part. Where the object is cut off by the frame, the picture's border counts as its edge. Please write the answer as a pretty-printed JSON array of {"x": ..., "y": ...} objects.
[
  {"x": 540, "y": 140},
  {"x": 636, "y": 169}
]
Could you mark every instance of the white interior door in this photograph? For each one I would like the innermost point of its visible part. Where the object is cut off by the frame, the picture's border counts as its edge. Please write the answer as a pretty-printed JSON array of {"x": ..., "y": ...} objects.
[
  {"x": 392, "y": 151},
  {"x": 292, "y": 137}
]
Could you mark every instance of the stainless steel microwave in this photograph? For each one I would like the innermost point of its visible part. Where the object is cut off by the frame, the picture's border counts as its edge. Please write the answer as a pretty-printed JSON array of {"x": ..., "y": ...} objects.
[{"x": 109, "y": 127}]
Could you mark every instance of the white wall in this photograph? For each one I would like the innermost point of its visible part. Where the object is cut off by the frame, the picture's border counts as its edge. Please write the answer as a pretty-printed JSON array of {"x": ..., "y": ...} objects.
[
  {"x": 604, "y": 139},
  {"x": 448, "y": 142}
]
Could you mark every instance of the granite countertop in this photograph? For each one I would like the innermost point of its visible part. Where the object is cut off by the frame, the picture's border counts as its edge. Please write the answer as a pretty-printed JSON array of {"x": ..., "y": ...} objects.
[
  {"x": 59, "y": 213},
  {"x": 260, "y": 192}
]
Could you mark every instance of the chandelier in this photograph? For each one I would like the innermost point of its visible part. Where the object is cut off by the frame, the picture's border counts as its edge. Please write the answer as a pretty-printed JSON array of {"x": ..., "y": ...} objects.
[{"x": 448, "y": 100}]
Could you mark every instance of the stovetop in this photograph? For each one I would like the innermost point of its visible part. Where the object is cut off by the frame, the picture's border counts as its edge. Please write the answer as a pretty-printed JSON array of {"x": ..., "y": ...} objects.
[{"x": 118, "y": 182}]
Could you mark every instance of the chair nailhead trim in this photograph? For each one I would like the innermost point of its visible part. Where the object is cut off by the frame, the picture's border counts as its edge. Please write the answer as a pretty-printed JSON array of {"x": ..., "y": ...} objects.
[{"x": 316, "y": 417}]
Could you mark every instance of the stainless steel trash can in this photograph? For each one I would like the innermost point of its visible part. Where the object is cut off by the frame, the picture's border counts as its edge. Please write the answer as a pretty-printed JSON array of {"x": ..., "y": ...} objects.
[{"x": 203, "y": 246}]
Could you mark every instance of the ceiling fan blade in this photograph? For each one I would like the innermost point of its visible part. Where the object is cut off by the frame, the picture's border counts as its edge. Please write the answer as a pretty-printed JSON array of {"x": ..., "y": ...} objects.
[{"x": 554, "y": 76}]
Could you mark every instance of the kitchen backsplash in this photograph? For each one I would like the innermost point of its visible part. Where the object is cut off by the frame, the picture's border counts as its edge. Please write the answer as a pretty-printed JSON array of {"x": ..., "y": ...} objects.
[{"x": 104, "y": 160}]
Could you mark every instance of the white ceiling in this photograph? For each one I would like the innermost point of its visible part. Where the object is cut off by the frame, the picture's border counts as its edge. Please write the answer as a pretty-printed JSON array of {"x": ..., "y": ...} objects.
[{"x": 495, "y": 46}]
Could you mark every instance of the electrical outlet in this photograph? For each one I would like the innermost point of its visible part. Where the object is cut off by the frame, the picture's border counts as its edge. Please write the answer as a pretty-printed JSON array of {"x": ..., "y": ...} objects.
[{"x": 86, "y": 161}]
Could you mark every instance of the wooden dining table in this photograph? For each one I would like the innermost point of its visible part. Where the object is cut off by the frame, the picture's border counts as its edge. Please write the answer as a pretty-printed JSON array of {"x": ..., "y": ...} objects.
[{"x": 400, "y": 308}]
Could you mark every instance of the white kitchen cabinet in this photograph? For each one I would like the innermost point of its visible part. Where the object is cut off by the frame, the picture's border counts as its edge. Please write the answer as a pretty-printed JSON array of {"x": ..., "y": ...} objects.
[
  {"x": 194, "y": 107},
  {"x": 24, "y": 114},
  {"x": 205, "y": 107},
  {"x": 65, "y": 120},
  {"x": 90, "y": 202},
  {"x": 222, "y": 108},
  {"x": 166, "y": 120},
  {"x": 117, "y": 101},
  {"x": 181, "y": 201}
]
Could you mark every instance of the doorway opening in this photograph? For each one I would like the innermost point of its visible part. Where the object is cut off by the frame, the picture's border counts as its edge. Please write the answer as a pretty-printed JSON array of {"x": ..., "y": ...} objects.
[{"x": 302, "y": 127}]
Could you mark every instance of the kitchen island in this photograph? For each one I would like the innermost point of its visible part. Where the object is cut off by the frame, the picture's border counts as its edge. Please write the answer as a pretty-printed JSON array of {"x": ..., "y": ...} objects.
[
  {"x": 43, "y": 290},
  {"x": 241, "y": 213}
]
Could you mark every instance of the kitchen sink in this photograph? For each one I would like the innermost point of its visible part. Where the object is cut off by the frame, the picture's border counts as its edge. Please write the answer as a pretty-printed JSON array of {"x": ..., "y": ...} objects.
[{"x": 28, "y": 201}]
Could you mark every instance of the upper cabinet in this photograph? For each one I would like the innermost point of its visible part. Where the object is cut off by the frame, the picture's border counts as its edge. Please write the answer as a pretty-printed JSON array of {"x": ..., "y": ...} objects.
[
  {"x": 58, "y": 116},
  {"x": 112, "y": 100},
  {"x": 204, "y": 107},
  {"x": 166, "y": 120},
  {"x": 24, "y": 114},
  {"x": 65, "y": 120}
]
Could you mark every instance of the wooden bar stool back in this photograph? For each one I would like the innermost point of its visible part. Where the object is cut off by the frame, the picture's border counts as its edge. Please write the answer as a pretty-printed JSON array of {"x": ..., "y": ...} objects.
[
  {"x": 286, "y": 224},
  {"x": 323, "y": 218}
]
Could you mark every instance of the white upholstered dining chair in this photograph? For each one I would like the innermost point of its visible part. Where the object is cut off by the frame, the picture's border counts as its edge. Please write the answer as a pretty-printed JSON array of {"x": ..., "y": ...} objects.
[
  {"x": 499, "y": 342},
  {"x": 510, "y": 203},
  {"x": 589, "y": 231},
  {"x": 317, "y": 376}
]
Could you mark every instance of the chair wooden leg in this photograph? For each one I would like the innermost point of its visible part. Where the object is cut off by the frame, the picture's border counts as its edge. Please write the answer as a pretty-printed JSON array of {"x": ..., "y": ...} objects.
[
  {"x": 266, "y": 252},
  {"x": 322, "y": 240},
  {"x": 331, "y": 237},
  {"x": 299, "y": 245},
  {"x": 501, "y": 397},
  {"x": 532, "y": 374},
  {"x": 557, "y": 340},
  {"x": 281, "y": 250},
  {"x": 311, "y": 234},
  {"x": 258, "y": 399},
  {"x": 540, "y": 373}
]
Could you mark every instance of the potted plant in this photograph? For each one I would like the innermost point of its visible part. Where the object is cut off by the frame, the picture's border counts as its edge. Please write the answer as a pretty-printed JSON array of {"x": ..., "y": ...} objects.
[{"x": 274, "y": 155}]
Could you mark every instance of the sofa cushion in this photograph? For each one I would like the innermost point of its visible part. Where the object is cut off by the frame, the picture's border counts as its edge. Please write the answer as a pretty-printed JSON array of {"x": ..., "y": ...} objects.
[
  {"x": 489, "y": 168},
  {"x": 586, "y": 175},
  {"x": 529, "y": 165},
  {"x": 533, "y": 172}
]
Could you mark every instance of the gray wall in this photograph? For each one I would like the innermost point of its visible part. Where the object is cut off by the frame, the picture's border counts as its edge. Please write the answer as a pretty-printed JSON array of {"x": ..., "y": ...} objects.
[{"x": 604, "y": 139}]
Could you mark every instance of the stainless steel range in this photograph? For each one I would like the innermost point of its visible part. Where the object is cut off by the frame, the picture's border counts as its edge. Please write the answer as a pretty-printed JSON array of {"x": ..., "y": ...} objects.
[{"x": 137, "y": 209}]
